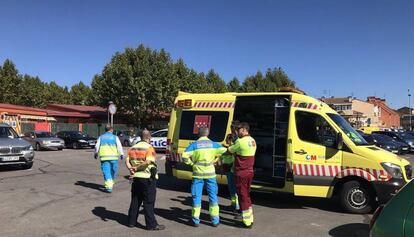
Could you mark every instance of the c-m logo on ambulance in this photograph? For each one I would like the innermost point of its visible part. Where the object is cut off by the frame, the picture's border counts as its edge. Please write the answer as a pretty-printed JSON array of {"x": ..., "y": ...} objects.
[{"x": 310, "y": 157}]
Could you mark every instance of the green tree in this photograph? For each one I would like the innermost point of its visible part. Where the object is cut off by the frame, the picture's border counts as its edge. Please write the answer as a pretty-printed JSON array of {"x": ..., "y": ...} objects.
[
  {"x": 273, "y": 80},
  {"x": 254, "y": 83},
  {"x": 80, "y": 94},
  {"x": 10, "y": 82},
  {"x": 233, "y": 85},
  {"x": 56, "y": 94},
  {"x": 215, "y": 83},
  {"x": 278, "y": 78},
  {"x": 33, "y": 92},
  {"x": 143, "y": 83},
  {"x": 189, "y": 80}
]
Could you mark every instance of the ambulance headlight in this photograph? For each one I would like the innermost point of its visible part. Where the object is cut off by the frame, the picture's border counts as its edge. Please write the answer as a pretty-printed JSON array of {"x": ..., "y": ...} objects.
[{"x": 392, "y": 169}]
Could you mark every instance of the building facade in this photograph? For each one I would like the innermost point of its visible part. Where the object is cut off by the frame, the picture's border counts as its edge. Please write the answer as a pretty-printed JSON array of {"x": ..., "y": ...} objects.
[
  {"x": 407, "y": 118},
  {"x": 359, "y": 113},
  {"x": 389, "y": 118}
]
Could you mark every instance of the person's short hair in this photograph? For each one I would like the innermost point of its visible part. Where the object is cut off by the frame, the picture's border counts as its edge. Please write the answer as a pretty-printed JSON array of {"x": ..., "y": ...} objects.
[
  {"x": 244, "y": 125},
  {"x": 145, "y": 134},
  {"x": 235, "y": 123},
  {"x": 108, "y": 128},
  {"x": 203, "y": 131}
]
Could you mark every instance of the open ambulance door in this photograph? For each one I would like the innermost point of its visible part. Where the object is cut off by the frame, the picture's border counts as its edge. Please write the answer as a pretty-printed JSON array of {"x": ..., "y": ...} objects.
[{"x": 268, "y": 117}]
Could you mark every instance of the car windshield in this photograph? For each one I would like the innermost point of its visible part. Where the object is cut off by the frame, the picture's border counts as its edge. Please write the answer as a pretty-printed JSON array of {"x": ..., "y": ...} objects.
[
  {"x": 78, "y": 134},
  {"x": 348, "y": 130},
  {"x": 44, "y": 134},
  {"x": 406, "y": 135},
  {"x": 7, "y": 132},
  {"x": 383, "y": 138}
]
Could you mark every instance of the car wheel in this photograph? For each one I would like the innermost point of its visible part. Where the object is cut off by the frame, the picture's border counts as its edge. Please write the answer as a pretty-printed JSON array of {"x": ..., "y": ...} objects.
[
  {"x": 38, "y": 147},
  {"x": 357, "y": 198},
  {"x": 126, "y": 143},
  {"x": 27, "y": 165},
  {"x": 60, "y": 149},
  {"x": 75, "y": 145}
]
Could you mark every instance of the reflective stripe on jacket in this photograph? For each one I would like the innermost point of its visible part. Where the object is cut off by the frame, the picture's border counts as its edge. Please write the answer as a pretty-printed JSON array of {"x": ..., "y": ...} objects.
[
  {"x": 245, "y": 149},
  {"x": 138, "y": 154},
  {"x": 203, "y": 154},
  {"x": 108, "y": 147}
]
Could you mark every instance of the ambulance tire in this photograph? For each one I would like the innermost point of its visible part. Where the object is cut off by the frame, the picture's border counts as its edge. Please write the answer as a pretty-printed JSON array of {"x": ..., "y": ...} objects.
[{"x": 355, "y": 197}]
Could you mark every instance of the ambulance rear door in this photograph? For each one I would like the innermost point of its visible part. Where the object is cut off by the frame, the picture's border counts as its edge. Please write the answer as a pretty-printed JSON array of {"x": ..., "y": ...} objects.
[
  {"x": 216, "y": 115},
  {"x": 268, "y": 117}
]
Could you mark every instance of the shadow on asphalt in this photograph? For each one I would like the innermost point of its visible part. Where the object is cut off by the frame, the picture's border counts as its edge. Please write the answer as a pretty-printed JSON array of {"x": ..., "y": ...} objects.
[
  {"x": 266, "y": 199},
  {"x": 355, "y": 229},
  {"x": 91, "y": 185},
  {"x": 5, "y": 168},
  {"x": 106, "y": 215}
]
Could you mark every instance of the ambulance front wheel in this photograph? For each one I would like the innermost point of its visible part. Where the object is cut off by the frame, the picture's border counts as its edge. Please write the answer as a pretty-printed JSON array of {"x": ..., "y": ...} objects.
[{"x": 357, "y": 197}]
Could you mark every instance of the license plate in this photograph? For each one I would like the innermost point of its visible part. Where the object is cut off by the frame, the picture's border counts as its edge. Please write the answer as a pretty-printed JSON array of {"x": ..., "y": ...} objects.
[
  {"x": 394, "y": 151},
  {"x": 91, "y": 143},
  {"x": 10, "y": 158},
  {"x": 405, "y": 148}
]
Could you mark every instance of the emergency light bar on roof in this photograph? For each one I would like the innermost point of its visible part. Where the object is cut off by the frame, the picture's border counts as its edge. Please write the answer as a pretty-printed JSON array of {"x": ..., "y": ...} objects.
[{"x": 188, "y": 103}]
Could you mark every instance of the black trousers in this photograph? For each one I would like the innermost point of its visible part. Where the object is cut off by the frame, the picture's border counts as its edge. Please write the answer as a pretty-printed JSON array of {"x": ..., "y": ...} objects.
[{"x": 143, "y": 191}]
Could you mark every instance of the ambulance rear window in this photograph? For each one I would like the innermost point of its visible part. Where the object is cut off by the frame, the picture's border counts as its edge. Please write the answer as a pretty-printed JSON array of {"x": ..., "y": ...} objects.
[{"x": 192, "y": 120}]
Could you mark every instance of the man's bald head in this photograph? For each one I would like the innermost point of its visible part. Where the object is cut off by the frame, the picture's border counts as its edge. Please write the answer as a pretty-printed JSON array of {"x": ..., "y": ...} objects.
[
  {"x": 203, "y": 132},
  {"x": 145, "y": 135}
]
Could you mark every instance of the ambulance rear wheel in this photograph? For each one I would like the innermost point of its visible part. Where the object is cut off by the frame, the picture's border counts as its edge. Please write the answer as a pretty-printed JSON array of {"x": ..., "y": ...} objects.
[{"x": 357, "y": 198}]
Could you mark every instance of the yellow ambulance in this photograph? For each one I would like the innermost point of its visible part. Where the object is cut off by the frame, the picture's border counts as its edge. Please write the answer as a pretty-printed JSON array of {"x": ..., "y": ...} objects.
[{"x": 303, "y": 146}]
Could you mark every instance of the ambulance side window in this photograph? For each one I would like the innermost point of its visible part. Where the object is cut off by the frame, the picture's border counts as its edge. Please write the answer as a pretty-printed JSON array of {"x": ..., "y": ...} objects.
[
  {"x": 215, "y": 120},
  {"x": 315, "y": 129}
]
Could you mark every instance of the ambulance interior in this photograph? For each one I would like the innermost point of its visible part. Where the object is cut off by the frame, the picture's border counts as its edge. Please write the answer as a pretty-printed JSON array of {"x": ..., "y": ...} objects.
[{"x": 268, "y": 117}]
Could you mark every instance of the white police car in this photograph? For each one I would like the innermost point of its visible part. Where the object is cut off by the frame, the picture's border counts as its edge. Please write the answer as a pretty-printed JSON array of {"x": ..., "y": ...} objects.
[{"x": 158, "y": 139}]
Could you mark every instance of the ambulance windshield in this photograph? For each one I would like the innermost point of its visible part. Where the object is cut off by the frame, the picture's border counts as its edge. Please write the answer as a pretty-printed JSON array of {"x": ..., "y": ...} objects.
[{"x": 348, "y": 130}]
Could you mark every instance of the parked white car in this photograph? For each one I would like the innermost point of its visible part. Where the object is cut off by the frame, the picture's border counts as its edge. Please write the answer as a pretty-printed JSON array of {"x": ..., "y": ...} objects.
[{"x": 158, "y": 139}]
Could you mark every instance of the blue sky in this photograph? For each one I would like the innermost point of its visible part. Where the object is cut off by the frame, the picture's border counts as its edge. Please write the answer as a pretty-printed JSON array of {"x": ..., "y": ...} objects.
[{"x": 337, "y": 48}]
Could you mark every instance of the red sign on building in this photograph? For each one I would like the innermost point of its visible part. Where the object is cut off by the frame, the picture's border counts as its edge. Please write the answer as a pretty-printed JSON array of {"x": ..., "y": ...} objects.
[{"x": 201, "y": 121}]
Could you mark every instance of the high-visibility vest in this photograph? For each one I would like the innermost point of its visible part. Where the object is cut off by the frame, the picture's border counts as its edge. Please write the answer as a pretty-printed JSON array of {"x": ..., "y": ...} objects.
[
  {"x": 203, "y": 154},
  {"x": 108, "y": 149},
  {"x": 245, "y": 149},
  {"x": 138, "y": 154},
  {"x": 228, "y": 162}
]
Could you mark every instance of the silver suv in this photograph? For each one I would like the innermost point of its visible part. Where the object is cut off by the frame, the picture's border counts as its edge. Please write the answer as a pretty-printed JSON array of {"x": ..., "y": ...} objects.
[{"x": 13, "y": 149}]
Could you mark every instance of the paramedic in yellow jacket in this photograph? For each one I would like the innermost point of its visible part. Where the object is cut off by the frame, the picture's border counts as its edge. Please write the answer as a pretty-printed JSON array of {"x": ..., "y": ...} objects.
[
  {"x": 108, "y": 148},
  {"x": 245, "y": 149},
  {"x": 201, "y": 155},
  {"x": 143, "y": 170},
  {"x": 228, "y": 169}
]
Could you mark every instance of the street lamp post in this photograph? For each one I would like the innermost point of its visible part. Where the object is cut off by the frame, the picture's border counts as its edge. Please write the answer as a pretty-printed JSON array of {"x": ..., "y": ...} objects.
[
  {"x": 112, "y": 111},
  {"x": 409, "y": 109}
]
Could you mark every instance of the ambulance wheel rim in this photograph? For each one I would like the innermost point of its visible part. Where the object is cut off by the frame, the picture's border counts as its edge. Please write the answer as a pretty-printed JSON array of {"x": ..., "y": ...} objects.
[{"x": 357, "y": 198}]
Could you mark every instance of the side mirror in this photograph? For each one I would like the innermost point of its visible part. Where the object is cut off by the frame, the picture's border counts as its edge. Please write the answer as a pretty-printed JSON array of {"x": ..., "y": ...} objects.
[{"x": 339, "y": 141}]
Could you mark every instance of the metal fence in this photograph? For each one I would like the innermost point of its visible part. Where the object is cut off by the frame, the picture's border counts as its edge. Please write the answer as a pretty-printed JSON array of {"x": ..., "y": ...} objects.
[
  {"x": 92, "y": 129},
  {"x": 95, "y": 130},
  {"x": 57, "y": 127},
  {"x": 27, "y": 127}
]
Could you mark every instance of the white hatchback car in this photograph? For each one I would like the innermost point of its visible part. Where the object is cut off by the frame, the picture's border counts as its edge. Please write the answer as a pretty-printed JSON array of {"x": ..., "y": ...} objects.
[{"x": 158, "y": 139}]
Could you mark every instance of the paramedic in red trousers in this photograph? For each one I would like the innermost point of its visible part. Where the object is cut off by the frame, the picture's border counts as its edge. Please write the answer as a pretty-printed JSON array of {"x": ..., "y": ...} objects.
[
  {"x": 108, "y": 148},
  {"x": 244, "y": 148}
]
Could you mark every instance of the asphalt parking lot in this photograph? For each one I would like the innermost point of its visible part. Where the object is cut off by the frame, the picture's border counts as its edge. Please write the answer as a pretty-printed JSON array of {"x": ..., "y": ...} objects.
[{"x": 62, "y": 196}]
